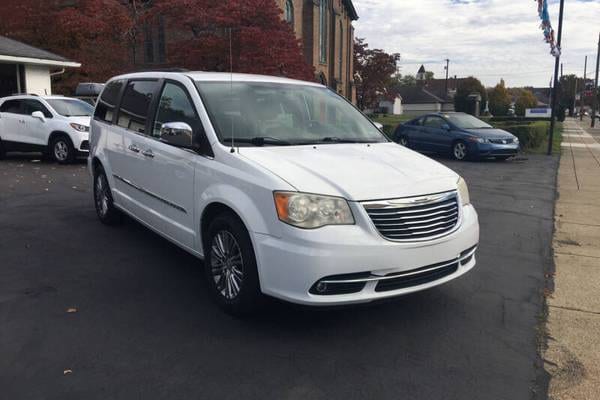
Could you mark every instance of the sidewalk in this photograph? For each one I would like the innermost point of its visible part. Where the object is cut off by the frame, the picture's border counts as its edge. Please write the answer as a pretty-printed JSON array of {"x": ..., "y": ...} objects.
[{"x": 573, "y": 355}]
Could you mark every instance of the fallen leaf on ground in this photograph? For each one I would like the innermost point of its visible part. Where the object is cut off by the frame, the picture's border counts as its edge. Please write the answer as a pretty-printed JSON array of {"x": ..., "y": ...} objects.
[
  {"x": 71, "y": 310},
  {"x": 67, "y": 372}
]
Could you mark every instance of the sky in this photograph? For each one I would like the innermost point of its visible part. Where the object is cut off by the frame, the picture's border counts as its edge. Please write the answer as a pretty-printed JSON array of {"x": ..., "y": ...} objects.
[{"x": 488, "y": 39}]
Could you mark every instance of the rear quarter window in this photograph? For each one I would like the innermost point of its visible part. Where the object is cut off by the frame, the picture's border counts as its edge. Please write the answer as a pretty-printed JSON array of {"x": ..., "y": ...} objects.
[{"x": 107, "y": 103}]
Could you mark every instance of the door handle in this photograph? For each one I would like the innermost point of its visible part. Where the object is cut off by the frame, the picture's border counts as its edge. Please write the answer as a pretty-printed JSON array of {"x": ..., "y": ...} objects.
[
  {"x": 134, "y": 148},
  {"x": 148, "y": 153}
]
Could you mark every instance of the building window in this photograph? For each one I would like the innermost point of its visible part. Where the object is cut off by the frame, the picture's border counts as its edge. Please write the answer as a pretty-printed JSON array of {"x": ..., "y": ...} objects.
[
  {"x": 161, "y": 40},
  {"x": 154, "y": 41},
  {"x": 289, "y": 12},
  {"x": 323, "y": 25},
  {"x": 341, "y": 50},
  {"x": 148, "y": 44}
]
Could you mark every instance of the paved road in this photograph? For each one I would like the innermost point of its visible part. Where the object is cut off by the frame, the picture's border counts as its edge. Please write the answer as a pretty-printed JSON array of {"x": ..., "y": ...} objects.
[{"x": 145, "y": 327}]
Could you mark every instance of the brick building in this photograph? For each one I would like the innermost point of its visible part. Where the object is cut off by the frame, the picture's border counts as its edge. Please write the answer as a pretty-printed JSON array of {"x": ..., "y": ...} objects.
[{"x": 326, "y": 31}]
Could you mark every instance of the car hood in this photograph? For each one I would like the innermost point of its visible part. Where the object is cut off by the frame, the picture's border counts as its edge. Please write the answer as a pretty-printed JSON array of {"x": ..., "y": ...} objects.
[
  {"x": 80, "y": 120},
  {"x": 356, "y": 172},
  {"x": 490, "y": 133}
]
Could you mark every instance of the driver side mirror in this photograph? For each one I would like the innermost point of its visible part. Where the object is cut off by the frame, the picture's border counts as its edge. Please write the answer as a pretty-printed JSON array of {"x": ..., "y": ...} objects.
[
  {"x": 378, "y": 125},
  {"x": 39, "y": 115},
  {"x": 178, "y": 134}
]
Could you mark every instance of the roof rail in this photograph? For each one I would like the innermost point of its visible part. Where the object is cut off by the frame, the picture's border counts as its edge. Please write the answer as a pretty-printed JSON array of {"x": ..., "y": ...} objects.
[
  {"x": 174, "y": 69},
  {"x": 25, "y": 94}
]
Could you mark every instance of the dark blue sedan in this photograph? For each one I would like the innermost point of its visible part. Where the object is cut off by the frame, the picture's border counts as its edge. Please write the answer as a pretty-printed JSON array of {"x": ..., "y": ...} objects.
[{"x": 458, "y": 134}]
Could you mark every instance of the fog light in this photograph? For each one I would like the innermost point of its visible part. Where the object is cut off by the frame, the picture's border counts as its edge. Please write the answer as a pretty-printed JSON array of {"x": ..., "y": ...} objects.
[{"x": 321, "y": 287}]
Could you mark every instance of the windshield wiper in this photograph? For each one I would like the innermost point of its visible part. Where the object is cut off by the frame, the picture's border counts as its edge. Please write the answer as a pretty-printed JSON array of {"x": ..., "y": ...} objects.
[
  {"x": 263, "y": 140},
  {"x": 335, "y": 139}
]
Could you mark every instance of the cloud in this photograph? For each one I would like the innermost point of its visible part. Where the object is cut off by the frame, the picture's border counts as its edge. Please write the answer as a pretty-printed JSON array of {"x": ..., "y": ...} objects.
[{"x": 490, "y": 39}]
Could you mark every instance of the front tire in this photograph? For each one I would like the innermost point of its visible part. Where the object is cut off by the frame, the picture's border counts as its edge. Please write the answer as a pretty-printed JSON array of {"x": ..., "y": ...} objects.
[
  {"x": 107, "y": 213},
  {"x": 460, "y": 151},
  {"x": 230, "y": 265},
  {"x": 62, "y": 150}
]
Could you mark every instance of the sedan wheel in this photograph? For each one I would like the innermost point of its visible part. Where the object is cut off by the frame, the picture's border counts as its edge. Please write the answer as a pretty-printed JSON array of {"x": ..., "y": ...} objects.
[
  {"x": 403, "y": 141},
  {"x": 227, "y": 265},
  {"x": 459, "y": 151}
]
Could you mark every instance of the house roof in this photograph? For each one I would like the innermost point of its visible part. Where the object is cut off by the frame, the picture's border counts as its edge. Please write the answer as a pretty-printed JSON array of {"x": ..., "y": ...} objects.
[
  {"x": 421, "y": 70},
  {"x": 351, "y": 9},
  {"x": 418, "y": 95},
  {"x": 18, "y": 52}
]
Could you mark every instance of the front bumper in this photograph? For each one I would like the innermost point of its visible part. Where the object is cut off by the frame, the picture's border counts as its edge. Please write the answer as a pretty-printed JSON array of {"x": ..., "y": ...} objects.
[
  {"x": 292, "y": 266},
  {"x": 497, "y": 150}
]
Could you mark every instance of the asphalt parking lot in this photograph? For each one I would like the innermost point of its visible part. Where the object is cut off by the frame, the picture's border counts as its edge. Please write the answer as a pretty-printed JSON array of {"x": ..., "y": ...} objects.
[{"x": 92, "y": 312}]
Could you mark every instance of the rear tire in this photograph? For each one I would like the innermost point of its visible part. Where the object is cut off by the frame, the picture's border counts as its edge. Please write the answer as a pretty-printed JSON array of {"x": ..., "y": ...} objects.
[
  {"x": 62, "y": 149},
  {"x": 230, "y": 266},
  {"x": 403, "y": 141},
  {"x": 2, "y": 151},
  {"x": 460, "y": 151},
  {"x": 107, "y": 213}
]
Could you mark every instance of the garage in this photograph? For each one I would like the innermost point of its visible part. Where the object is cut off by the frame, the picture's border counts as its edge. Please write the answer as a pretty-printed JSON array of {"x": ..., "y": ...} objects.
[{"x": 27, "y": 69}]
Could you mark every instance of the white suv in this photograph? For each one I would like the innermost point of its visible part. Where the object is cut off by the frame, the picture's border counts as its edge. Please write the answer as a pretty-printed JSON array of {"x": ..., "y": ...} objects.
[
  {"x": 282, "y": 187},
  {"x": 55, "y": 125}
]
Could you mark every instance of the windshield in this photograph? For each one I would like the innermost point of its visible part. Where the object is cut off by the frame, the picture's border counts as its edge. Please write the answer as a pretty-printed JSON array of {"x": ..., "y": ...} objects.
[
  {"x": 466, "y": 121},
  {"x": 71, "y": 107},
  {"x": 273, "y": 114}
]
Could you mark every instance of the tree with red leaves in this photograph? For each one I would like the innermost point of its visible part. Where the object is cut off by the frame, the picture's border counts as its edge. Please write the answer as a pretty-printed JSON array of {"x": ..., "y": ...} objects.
[
  {"x": 104, "y": 35},
  {"x": 244, "y": 35},
  {"x": 93, "y": 33},
  {"x": 374, "y": 70}
]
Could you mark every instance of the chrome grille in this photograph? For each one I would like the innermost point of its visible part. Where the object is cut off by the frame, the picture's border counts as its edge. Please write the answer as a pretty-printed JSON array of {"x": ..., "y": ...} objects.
[
  {"x": 501, "y": 141},
  {"x": 415, "y": 218}
]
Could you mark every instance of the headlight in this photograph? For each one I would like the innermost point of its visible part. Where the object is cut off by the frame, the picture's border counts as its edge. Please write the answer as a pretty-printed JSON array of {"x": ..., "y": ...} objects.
[
  {"x": 79, "y": 127},
  {"x": 477, "y": 139},
  {"x": 516, "y": 140},
  {"x": 312, "y": 211},
  {"x": 463, "y": 192}
]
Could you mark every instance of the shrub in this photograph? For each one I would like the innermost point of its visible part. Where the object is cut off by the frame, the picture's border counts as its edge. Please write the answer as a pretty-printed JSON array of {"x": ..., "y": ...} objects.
[{"x": 530, "y": 135}]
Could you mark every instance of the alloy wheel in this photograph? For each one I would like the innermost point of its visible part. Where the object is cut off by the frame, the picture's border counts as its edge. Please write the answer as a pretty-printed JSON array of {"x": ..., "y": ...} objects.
[
  {"x": 227, "y": 265},
  {"x": 102, "y": 199},
  {"x": 460, "y": 151},
  {"x": 61, "y": 150},
  {"x": 404, "y": 141}
]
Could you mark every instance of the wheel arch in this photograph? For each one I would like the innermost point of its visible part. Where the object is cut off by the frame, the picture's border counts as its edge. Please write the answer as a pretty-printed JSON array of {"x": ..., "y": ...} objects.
[{"x": 58, "y": 133}]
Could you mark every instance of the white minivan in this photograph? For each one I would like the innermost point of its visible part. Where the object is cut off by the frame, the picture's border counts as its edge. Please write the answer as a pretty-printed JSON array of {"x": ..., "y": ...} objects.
[{"x": 282, "y": 187}]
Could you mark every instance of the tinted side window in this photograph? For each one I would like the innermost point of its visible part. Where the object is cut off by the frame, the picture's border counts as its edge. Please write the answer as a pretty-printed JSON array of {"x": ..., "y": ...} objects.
[
  {"x": 11, "y": 106},
  {"x": 31, "y": 106},
  {"x": 108, "y": 101},
  {"x": 135, "y": 105},
  {"x": 175, "y": 106},
  {"x": 434, "y": 122}
]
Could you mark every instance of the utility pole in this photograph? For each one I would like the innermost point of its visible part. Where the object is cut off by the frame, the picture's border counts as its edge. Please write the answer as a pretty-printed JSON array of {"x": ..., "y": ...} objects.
[
  {"x": 595, "y": 92},
  {"x": 447, "y": 70},
  {"x": 555, "y": 88},
  {"x": 583, "y": 90}
]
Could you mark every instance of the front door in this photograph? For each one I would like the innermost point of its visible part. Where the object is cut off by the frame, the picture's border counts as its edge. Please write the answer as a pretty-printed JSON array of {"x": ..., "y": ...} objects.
[
  {"x": 171, "y": 170},
  {"x": 435, "y": 134},
  {"x": 36, "y": 130}
]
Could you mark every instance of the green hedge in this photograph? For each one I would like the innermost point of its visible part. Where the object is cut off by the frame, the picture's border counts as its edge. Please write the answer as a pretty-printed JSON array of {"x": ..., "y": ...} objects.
[{"x": 530, "y": 135}]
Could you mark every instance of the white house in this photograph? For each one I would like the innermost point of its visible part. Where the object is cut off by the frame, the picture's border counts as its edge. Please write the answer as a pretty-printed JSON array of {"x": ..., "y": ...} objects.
[{"x": 27, "y": 69}]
